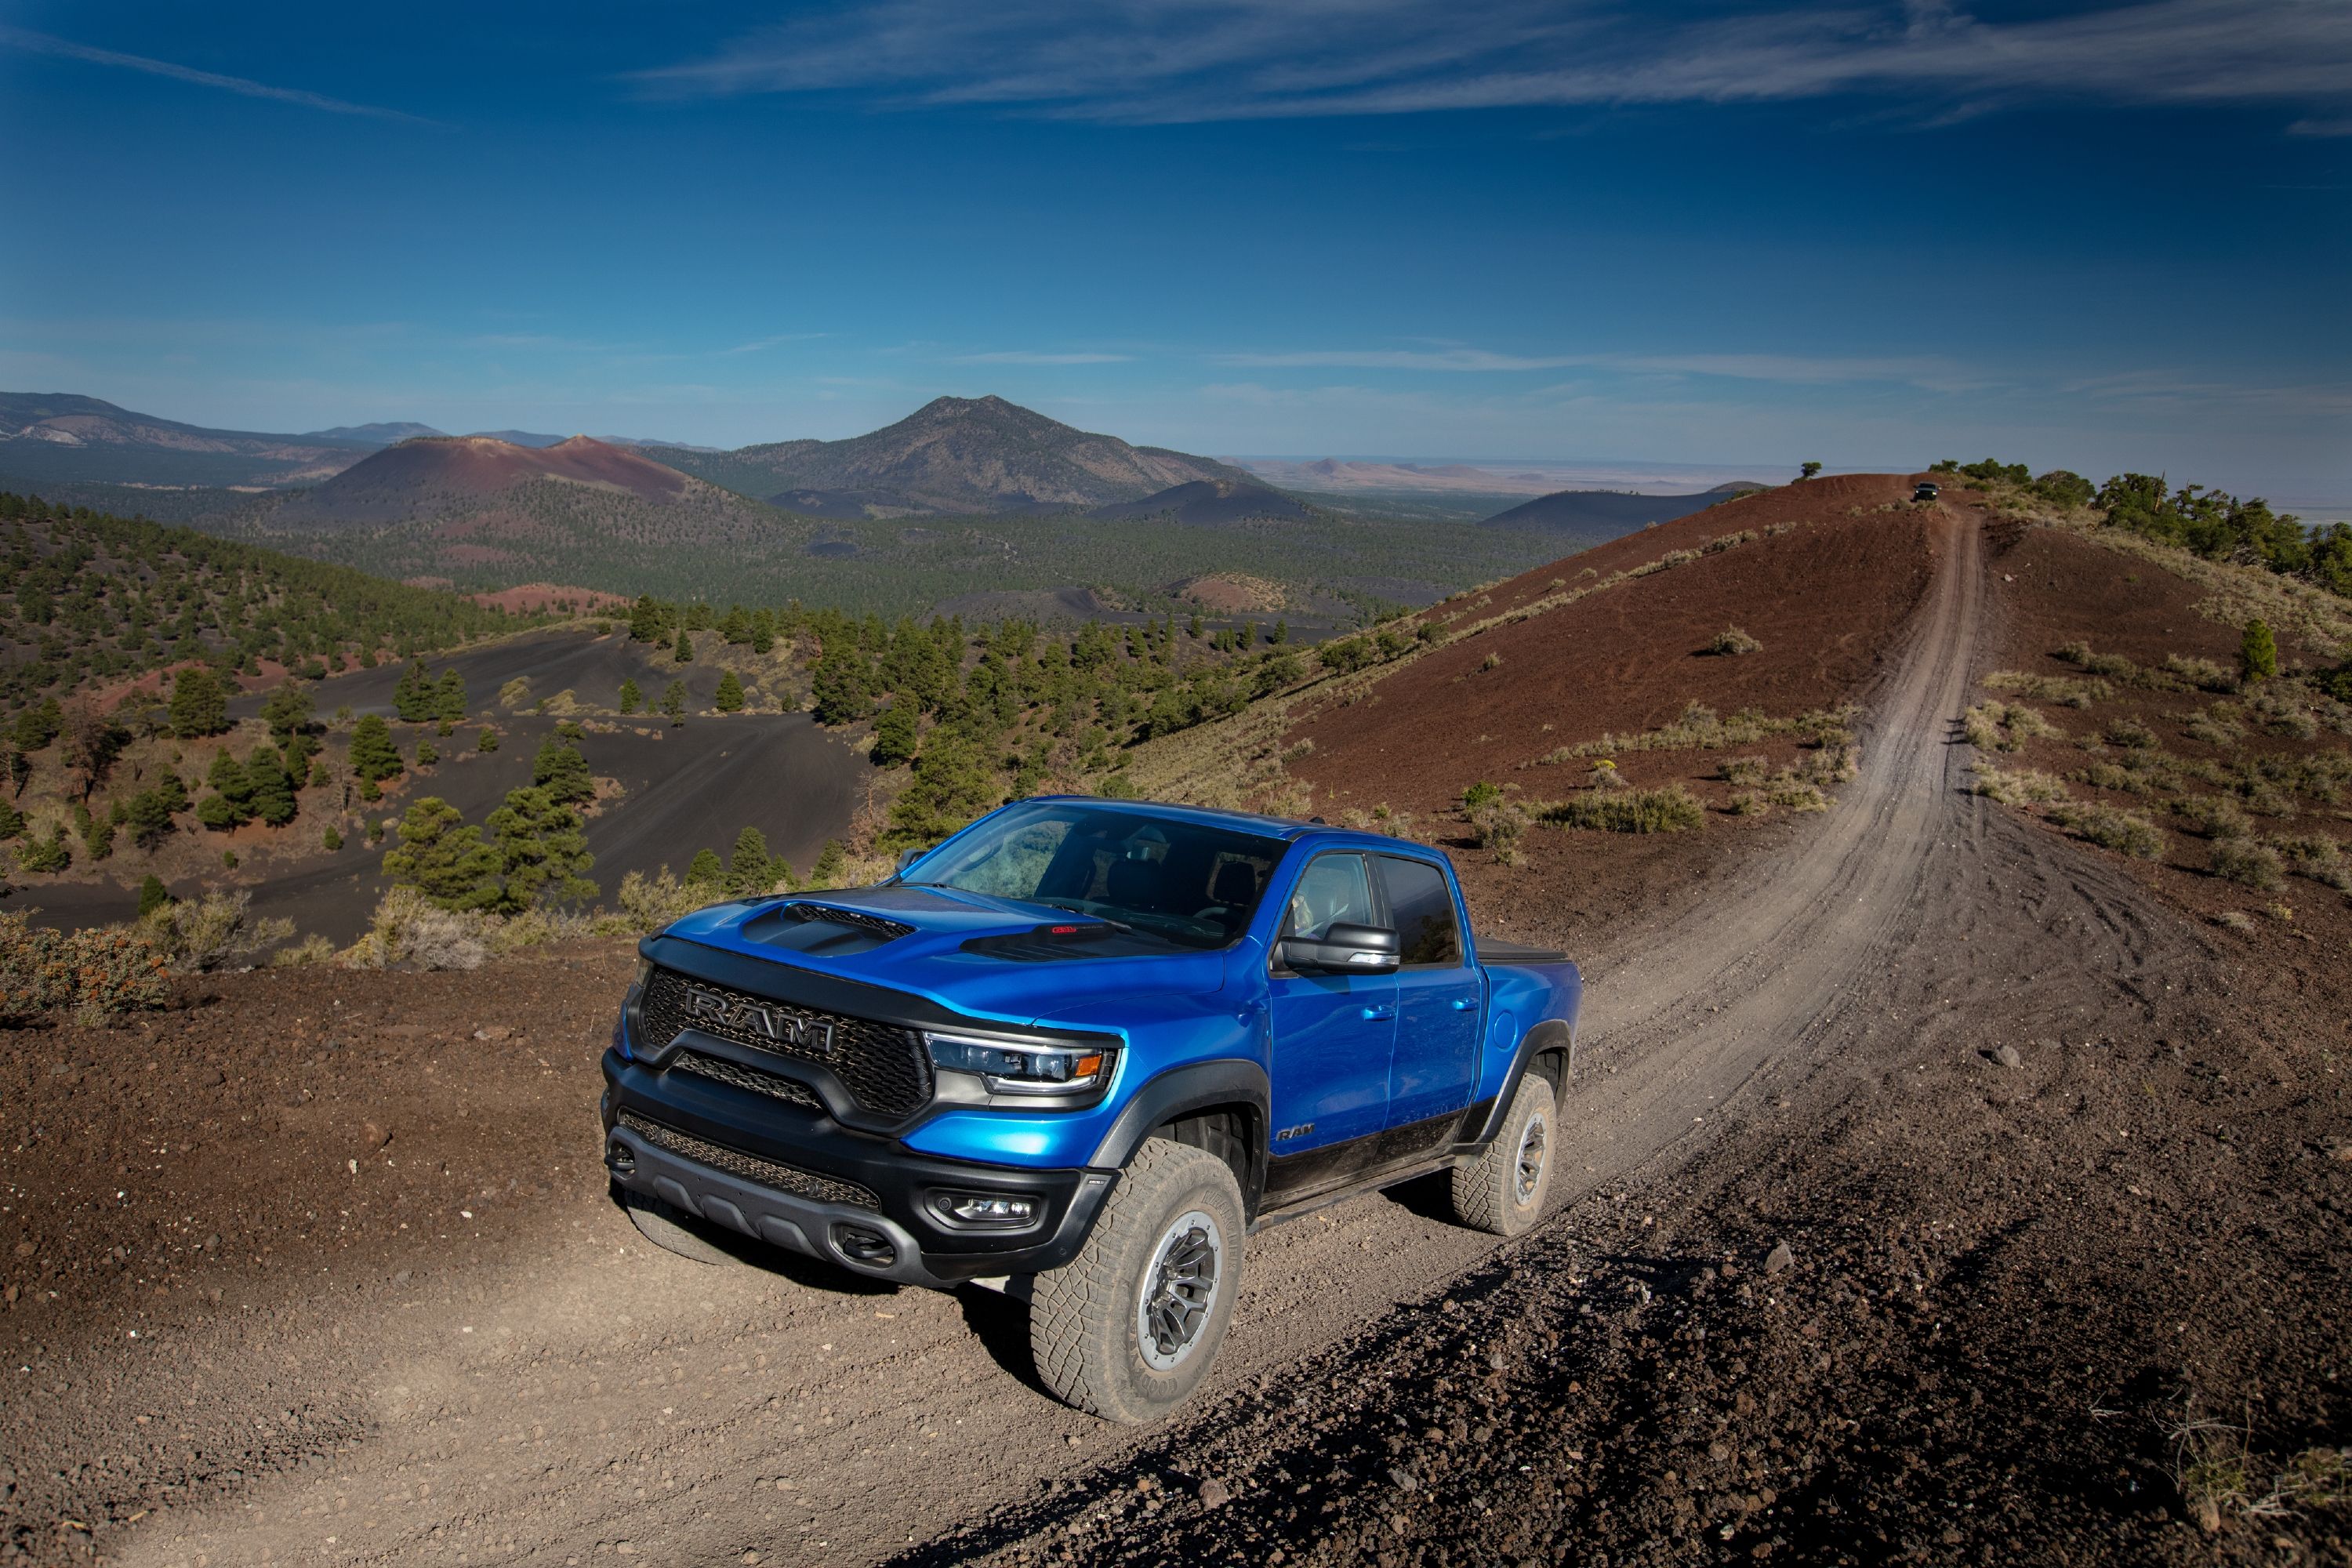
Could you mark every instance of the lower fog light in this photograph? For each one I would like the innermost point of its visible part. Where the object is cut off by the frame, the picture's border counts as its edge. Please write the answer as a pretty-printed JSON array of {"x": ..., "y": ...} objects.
[{"x": 988, "y": 1208}]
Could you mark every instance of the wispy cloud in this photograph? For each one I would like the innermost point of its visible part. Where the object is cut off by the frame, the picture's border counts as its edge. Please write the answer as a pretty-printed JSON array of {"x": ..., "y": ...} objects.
[
  {"x": 778, "y": 341},
  {"x": 1177, "y": 60},
  {"x": 1034, "y": 356},
  {"x": 1926, "y": 370},
  {"x": 43, "y": 44}
]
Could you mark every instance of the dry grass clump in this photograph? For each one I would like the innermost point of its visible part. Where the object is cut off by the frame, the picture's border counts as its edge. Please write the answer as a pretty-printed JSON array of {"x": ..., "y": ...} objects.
[
  {"x": 2021, "y": 787},
  {"x": 1668, "y": 809},
  {"x": 2005, "y": 726},
  {"x": 1732, "y": 641},
  {"x": 2278, "y": 711},
  {"x": 2249, "y": 863},
  {"x": 2218, "y": 1473},
  {"x": 2135, "y": 777},
  {"x": 2130, "y": 734},
  {"x": 1698, "y": 727},
  {"x": 1744, "y": 770},
  {"x": 311, "y": 950},
  {"x": 2238, "y": 921},
  {"x": 2110, "y": 828},
  {"x": 2064, "y": 690},
  {"x": 650, "y": 902}
]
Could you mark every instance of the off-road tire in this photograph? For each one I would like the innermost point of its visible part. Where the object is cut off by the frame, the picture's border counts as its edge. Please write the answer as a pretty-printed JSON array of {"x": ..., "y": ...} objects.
[
  {"x": 669, "y": 1227},
  {"x": 1492, "y": 1193},
  {"x": 1084, "y": 1318}
]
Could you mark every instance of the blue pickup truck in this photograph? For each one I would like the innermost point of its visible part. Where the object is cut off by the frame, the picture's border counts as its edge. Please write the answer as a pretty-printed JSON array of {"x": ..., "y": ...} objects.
[{"x": 1077, "y": 1052}]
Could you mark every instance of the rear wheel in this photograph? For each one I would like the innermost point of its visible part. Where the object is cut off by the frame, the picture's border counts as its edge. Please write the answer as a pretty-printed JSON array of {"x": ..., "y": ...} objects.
[
  {"x": 670, "y": 1228},
  {"x": 1127, "y": 1328},
  {"x": 1503, "y": 1190}
]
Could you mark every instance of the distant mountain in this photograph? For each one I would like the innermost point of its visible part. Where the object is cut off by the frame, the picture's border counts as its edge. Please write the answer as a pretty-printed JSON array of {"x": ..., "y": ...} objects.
[
  {"x": 1210, "y": 503},
  {"x": 1355, "y": 475},
  {"x": 59, "y": 438},
  {"x": 376, "y": 435},
  {"x": 1609, "y": 512},
  {"x": 957, "y": 456},
  {"x": 435, "y": 480}
]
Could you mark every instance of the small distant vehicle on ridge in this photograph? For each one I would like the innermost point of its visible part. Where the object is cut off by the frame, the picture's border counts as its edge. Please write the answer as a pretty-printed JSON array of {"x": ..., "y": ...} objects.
[
  {"x": 1926, "y": 489},
  {"x": 1077, "y": 1053}
]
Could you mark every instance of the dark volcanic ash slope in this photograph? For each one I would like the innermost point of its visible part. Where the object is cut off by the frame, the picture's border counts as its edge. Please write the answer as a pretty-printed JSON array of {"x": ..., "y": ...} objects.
[{"x": 954, "y": 456}]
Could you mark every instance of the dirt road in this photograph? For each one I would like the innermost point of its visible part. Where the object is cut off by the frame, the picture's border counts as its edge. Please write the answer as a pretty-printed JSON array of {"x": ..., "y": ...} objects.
[{"x": 558, "y": 1393}]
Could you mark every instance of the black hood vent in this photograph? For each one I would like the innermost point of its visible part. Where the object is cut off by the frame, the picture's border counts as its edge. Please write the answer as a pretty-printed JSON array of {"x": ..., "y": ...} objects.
[
  {"x": 823, "y": 931},
  {"x": 877, "y": 925}
]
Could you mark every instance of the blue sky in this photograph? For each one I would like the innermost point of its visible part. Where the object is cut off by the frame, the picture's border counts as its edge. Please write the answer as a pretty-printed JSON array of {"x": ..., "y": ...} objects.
[{"x": 2103, "y": 237}]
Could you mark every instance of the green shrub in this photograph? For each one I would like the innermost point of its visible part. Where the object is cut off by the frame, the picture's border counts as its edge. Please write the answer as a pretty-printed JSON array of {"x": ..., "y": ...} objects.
[
  {"x": 729, "y": 697},
  {"x": 489, "y": 742},
  {"x": 1480, "y": 794},
  {"x": 2130, "y": 734},
  {"x": 1744, "y": 770},
  {"x": 1669, "y": 809},
  {"x": 2213, "y": 816},
  {"x": 2021, "y": 787},
  {"x": 331, "y": 839},
  {"x": 46, "y": 855},
  {"x": 2201, "y": 673},
  {"x": 2317, "y": 857},
  {"x": 152, "y": 895}
]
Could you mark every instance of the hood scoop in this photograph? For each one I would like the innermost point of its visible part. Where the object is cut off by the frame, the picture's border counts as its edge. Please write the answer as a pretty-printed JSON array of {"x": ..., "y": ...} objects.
[{"x": 825, "y": 931}]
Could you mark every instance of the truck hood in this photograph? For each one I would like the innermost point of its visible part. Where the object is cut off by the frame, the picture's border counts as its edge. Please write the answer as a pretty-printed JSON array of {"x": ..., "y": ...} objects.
[{"x": 993, "y": 958}]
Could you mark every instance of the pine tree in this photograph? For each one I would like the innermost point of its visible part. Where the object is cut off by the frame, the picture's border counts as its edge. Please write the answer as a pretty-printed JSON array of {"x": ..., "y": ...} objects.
[
  {"x": 450, "y": 698},
  {"x": 684, "y": 651},
  {"x": 288, "y": 711},
  {"x": 271, "y": 792},
  {"x": 649, "y": 621},
  {"x": 751, "y": 869},
  {"x": 544, "y": 851},
  {"x": 154, "y": 895},
  {"x": 12, "y": 821},
  {"x": 443, "y": 857},
  {"x": 729, "y": 698},
  {"x": 831, "y": 866},
  {"x": 561, "y": 771},
  {"x": 373, "y": 757},
  {"x": 489, "y": 741},
  {"x": 630, "y": 695},
  {"x": 705, "y": 870},
  {"x": 2259, "y": 652},
  {"x": 199, "y": 704},
  {"x": 413, "y": 698},
  {"x": 674, "y": 703},
  {"x": 894, "y": 733}
]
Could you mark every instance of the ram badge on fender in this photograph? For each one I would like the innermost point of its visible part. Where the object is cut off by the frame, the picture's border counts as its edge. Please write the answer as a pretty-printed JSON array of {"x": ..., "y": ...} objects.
[{"x": 1080, "y": 1051}]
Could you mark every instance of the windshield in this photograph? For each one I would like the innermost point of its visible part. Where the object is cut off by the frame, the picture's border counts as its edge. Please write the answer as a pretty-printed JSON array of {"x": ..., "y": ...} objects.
[{"x": 1192, "y": 885}]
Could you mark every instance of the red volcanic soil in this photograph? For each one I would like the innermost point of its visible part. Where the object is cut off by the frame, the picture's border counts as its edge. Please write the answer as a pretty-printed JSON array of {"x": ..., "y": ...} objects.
[
  {"x": 476, "y": 464},
  {"x": 1826, "y": 597},
  {"x": 525, "y": 597}
]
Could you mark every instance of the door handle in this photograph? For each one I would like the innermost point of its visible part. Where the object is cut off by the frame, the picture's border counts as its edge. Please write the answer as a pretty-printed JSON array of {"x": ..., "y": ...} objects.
[{"x": 1380, "y": 1010}]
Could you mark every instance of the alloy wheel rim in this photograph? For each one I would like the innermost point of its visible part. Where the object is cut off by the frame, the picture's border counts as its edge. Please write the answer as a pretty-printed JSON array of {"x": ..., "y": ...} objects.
[
  {"x": 1180, "y": 1290},
  {"x": 1527, "y": 1175}
]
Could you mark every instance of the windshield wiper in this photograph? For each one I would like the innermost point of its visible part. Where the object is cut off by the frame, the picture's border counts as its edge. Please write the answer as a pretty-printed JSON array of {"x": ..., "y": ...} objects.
[{"x": 1077, "y": 907}]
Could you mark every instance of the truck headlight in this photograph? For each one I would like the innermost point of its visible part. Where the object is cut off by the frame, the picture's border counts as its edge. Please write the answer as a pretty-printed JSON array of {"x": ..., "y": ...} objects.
[{"x": 1024, "y": 1068}]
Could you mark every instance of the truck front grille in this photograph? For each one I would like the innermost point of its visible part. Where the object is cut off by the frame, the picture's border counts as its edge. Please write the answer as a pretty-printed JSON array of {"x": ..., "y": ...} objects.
[
  {"x": 771, "y": 1174},
  {"x": 884, "y": 1067},
  {"x": 775, "y": 1086}
]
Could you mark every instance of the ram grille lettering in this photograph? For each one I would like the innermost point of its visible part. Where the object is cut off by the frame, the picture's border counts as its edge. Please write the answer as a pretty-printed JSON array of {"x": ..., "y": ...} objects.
[{"x": 768, "y": 1023}]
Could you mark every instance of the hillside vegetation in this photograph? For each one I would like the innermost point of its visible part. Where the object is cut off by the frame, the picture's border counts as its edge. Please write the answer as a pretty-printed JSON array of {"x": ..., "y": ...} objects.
[{"x": 91, "y": 598}]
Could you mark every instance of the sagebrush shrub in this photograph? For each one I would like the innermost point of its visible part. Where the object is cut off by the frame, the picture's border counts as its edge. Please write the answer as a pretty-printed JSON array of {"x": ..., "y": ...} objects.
[
  {"x": 1668, "y": 809},
  {"x": 1744, "y": 770},
  {"x": 1732, "y": 641},
  {"x": 2248, "y": 863},
  {"x": 2216, "y": 816},
  {"x": 410, "y": 929},
  {"x": 2019, "y": 789},
  {"x": 204, "y": 934},
  {"x": 650, "y": 902},
  {"x": 2128, "y": 831}
]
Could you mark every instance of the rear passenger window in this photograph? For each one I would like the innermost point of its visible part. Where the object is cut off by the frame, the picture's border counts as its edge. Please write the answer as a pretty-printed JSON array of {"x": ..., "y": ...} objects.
[{"x": 1423, "y": 907}]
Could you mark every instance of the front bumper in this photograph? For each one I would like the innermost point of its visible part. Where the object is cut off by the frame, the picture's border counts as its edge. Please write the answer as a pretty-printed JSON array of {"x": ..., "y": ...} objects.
[{"x": 795, "y": 1178}]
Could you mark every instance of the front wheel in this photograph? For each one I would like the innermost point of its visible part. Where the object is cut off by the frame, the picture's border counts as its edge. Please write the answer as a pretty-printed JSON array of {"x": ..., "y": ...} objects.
[
  {"x": 1503, "y": 1190},
  {"x": 1127, "y": 1328}
]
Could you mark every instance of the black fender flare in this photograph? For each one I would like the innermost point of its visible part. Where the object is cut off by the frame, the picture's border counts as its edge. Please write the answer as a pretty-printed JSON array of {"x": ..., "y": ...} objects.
[
  {"x": 1196, "y": 1086},
  {"x": 1552, "y": 1035}
]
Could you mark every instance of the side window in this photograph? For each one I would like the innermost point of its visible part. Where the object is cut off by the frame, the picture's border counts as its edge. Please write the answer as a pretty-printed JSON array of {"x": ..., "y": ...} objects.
[
  {"x": 1333, "y": 888},
  {"x": 1422, "y": 908}
]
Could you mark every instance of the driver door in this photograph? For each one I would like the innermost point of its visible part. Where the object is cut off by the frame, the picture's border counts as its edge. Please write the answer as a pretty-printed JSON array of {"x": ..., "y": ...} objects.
[{"x": 1333, "y": 1034}]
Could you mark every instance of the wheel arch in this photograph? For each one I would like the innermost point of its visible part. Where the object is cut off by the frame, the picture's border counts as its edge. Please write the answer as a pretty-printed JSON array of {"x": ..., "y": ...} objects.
[
  {"x": 1550, "y": 1049},
  {"x": 1221, "y": 1107}
]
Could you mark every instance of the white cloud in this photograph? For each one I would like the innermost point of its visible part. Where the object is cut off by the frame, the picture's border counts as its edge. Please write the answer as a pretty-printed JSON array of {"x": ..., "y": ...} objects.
[
  {"x": 1927, "y": 371},
  {"x": 1177, "y": 61}
]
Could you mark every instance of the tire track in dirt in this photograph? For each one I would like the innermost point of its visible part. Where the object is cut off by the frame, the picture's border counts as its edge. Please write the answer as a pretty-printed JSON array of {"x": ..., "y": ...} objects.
[{"x": 582, "y": 1394}]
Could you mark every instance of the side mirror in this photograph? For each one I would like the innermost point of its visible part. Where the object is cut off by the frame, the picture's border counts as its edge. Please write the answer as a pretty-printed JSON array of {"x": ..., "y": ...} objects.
[
  {"x": 906, "y": 859},
  {"x": 1344, "y": 949}
]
